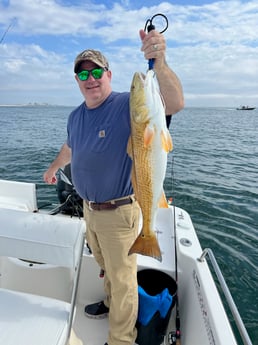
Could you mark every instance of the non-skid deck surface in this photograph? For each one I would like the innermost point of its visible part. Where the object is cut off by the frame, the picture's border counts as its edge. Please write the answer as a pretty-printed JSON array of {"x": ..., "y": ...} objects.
[
  {"x": 95, "y": 332},
  {"x": 90, "y": 331}
]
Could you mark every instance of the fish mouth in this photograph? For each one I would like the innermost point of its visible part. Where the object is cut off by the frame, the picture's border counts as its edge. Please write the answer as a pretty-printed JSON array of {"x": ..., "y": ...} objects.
[
  {"x": 141, "y": 77},
  {"x": 138, "y": 81}
]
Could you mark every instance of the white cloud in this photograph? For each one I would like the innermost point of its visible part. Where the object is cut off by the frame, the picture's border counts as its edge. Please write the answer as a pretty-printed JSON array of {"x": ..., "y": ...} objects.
[{"x": 213, "y": 48}]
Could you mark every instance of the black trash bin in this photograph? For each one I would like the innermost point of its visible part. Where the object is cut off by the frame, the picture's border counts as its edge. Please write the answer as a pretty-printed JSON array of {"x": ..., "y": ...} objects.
[{"x": 154, "y": 282}]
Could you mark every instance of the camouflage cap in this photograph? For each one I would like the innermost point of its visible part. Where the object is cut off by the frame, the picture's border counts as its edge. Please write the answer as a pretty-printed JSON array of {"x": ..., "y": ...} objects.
[{"x": 90, "y": 55}]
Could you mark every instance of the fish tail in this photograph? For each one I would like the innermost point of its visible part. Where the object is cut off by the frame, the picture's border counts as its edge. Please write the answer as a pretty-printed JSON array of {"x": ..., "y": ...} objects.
[{"x": 146, "y": 245}]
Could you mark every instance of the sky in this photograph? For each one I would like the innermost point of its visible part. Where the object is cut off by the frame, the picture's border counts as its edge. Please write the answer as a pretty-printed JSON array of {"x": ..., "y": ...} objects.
[{"x": 212, "y": 46}]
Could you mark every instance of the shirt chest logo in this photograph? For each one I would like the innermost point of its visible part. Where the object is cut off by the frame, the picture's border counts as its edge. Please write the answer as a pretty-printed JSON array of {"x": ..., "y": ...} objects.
[{"x": 102, "y": 133}]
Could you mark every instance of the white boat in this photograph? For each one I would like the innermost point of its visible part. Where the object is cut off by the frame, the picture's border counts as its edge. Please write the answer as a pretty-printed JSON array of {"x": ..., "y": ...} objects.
[
  {"x": 48, "y": 275},
  {"x": 245, "y": 107}
]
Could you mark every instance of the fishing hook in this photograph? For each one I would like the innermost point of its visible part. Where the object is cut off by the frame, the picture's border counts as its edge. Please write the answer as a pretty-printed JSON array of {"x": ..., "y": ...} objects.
[{"x": 150, "y": 26}]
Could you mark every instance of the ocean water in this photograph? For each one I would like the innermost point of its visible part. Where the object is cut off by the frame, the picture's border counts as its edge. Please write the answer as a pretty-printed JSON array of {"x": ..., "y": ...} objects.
[{"x": 212, "y": 174}]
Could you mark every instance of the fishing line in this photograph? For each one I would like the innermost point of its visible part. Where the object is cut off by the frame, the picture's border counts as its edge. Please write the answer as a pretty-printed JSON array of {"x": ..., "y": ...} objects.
[
  {"x": 170, "y": 154},
  {"x": 6, "y": 31},
  {"x": 178, "y": 332},
  {"x": 174, "y": 337}
]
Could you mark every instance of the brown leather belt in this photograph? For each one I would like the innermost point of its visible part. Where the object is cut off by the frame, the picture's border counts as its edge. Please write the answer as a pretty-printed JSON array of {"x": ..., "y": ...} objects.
[{"x": 109, "y": 205}]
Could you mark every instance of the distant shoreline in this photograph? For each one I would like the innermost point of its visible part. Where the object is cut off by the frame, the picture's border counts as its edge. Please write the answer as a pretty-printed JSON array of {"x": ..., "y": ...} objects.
[{"x": 31, "y": 105}]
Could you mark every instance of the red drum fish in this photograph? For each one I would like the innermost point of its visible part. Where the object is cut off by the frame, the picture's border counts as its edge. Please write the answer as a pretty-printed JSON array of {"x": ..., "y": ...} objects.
[{"x": 148, "y": 146}]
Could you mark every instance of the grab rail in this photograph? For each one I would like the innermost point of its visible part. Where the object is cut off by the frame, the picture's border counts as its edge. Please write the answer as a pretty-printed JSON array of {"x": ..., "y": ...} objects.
[{"x": 240, "y": 325}]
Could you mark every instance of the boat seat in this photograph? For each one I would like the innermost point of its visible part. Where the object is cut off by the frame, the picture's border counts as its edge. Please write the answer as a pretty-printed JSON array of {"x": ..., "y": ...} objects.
[
  {"x": 18, "y": 195},
  {"x": 27, "y": 318}
]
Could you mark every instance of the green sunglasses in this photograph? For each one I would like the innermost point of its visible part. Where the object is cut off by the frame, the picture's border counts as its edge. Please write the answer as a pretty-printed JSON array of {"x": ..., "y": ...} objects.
[{"x": 97, "y": 73}]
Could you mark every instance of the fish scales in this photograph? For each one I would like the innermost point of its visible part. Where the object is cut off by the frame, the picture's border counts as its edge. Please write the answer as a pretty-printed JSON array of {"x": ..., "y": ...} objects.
[{"x": 148, "y": 146}]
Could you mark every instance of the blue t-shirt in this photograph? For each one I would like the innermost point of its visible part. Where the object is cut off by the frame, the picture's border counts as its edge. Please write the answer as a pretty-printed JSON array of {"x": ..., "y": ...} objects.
[{"x": 100, "y": 165}]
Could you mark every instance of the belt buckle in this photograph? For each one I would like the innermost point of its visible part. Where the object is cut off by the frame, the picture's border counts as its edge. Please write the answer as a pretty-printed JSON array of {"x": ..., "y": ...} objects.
[{"x": 90, "y": 203}]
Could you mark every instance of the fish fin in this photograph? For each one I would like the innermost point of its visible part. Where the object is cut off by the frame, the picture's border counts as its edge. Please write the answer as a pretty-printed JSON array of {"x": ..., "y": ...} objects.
[
  {"x": 146, "y": 245},
  {"x": 148, "y": 136},
  {"x": 166, "y": 141},
  {"x": 129, "y": 147},
  {"x": 163, "y": 201}
]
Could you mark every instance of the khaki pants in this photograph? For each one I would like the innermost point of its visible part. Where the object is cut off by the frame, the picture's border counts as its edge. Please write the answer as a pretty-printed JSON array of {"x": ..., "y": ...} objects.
[{"x": 110, "y": 234}]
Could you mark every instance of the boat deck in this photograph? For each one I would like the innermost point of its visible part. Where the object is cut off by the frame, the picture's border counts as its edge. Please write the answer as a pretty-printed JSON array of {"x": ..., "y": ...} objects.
[
  {"x": 201, "y": 312},
  {"x": 95, "y": 332},
  {"x": 90, "y": 331}
]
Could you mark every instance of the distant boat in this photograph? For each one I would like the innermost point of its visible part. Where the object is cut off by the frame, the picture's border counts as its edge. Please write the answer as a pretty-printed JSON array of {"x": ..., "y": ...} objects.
[{"x": 245, "y": 107}]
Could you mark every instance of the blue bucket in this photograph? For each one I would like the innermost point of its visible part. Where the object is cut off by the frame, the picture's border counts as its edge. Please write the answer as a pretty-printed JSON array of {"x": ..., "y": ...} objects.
[{"x": 157, "y": 285}]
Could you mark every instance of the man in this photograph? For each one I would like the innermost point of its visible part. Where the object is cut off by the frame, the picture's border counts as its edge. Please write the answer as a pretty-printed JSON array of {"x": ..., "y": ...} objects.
[{"x": 98, "y": 131}]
